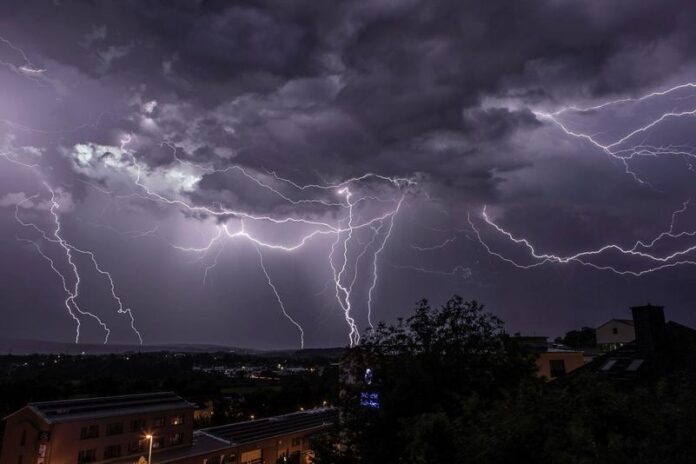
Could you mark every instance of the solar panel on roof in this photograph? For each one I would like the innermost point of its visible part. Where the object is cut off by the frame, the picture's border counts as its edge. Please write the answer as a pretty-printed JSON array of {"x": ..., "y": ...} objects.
[
  {"x": 608, "y": 365},
  {"x": 635, "y": 365}
]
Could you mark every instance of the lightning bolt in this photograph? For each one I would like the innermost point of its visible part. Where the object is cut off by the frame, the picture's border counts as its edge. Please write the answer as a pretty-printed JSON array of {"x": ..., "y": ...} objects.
[
  {"x": 56, "y": 237},
  {"x": 621, "y": 149},
  {"x": 435, "y": 247},
  {"x": 27, "y": 69},
  {"x": 375, "y": 274},
  {"x": 457, "y": 271},
  {"x": 642, "y": 252},
  {"x": 639, "y": 250},
  {"x": 345, "y": 230},
  {"x": 278, "y": 298}
]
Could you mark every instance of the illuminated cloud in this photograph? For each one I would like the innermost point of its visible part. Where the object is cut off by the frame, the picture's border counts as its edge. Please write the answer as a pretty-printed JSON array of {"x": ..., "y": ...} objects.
[{"x": 223, "y": 127}]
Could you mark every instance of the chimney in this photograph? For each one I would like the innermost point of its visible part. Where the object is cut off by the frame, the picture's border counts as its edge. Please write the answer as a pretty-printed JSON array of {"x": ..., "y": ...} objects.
[{"x": 649, "y": 324}]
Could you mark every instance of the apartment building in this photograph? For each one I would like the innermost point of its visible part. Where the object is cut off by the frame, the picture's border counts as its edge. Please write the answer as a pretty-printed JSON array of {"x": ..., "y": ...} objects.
[
  {"x": 118, "y": 430},
  {"x": 614, "y": 334},
  {"x": 96, "y": 429}
]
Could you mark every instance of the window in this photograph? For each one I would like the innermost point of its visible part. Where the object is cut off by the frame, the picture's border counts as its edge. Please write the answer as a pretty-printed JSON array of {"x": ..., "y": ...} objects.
[
  {"x": 115, "y": 428},
  {"x": 296, "y": 441},
  {"x": 89, "y": 431},
  {"x": 158, "y": 442},
  {"x": 23, "y": 440},
  {"x": 252, "y": 457},
  {"x": 177, "y": 439},
  {"x": 177, "y": 420},
  {"x": 229, "y": 459},
  {"x": 615, "y": 330},
  {"x": 85, "y": 456},
  {"x": 158, "y": 422},
  {"x": 138, "y": 425},
  {"x": 557, "y": 367},
  {"x": 113, "y": 451},
  {"x": 136, "y": 446}
]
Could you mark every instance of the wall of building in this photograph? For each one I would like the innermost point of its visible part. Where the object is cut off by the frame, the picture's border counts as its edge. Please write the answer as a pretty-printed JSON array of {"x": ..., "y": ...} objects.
[
  {"x": 24, "y": 435},
  {"x": 65, "y": 443},
  {"x": 270, "y": 451},
  {"x": 571, "y": 360},
  {"x": 26, "y": 432},
  {"x": 615, "y": 333}
]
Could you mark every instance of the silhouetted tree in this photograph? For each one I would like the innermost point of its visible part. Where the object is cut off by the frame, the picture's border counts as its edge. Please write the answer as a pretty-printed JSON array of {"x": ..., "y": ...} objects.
[
  {"x": 583, "y": 338},
  {"x": 426, "y": 370}
]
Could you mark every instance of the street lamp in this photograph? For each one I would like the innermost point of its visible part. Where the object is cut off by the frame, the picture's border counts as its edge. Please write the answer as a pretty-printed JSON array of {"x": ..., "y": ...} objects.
[{"x": 149, "y": 454}]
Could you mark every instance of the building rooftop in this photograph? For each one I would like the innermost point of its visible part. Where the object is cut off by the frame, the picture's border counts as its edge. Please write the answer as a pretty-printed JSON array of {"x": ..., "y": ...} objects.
[
  {"x": 624, "y": 321},
  {"x": 213, "y": 439},
  {"x": 261, "y": 429},
  {"x": 92, "y": 408},
  {"x": 630, "y": 362}
]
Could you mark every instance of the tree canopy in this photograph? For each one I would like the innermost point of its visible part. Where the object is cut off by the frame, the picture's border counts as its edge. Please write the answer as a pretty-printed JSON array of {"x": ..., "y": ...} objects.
[{"x": 453, "y": 387}]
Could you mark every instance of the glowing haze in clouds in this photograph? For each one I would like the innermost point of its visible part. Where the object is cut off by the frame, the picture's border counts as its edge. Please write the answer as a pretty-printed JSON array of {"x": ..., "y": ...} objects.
[{"x": 286, "y": 174}]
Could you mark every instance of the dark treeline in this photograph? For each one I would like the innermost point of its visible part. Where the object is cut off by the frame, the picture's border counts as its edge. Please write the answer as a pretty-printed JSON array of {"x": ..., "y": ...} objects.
[{"x": 453, "y": 387}]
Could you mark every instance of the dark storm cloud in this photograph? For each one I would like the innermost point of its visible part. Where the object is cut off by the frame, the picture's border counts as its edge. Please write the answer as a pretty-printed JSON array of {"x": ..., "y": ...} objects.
[
  {"x": 407, "y": 70},
  {"x": 320, "y": 91}
]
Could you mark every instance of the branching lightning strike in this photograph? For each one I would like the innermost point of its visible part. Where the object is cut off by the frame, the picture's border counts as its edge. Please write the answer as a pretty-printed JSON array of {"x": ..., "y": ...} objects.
[
  {"x": 642, "y": 254},
  {"x": 345, "y": 230}
]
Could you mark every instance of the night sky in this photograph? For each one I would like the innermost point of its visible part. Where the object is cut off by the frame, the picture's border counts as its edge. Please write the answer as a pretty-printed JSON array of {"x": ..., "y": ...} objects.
[{"x": 243, "y": 170}]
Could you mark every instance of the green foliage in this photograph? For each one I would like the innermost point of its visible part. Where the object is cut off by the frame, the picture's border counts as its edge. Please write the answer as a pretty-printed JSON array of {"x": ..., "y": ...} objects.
[
  {"x": 455, "y": 388},
  {"x": 426, "y": 369},
  {"x": 583, "y": 338}
]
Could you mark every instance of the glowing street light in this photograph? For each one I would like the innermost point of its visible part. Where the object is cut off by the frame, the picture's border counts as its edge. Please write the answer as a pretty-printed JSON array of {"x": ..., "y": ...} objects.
[{"x": 149, "y": 454}]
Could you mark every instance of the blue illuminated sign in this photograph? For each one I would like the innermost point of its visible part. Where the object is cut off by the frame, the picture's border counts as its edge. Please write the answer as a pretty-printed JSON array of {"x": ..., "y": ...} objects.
[{"x": 369, "y": 400}]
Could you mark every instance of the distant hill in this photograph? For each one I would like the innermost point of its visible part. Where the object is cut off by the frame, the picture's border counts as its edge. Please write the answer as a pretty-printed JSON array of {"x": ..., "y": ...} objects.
[
  {"x": 331, "y": 353},
  {"x": 24, "y": 347}
]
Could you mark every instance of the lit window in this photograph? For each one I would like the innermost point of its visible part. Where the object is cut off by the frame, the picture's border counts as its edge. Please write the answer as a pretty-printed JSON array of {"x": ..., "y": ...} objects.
[{"x": 177, "y": 420}]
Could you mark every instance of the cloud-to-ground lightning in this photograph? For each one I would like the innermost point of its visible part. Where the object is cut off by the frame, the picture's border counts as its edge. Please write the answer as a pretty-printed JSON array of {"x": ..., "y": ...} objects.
[
  {"x": 68, "y": 249},
  {"x": 278, "y": 298},
  {"x": 336, "y": 199}
]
